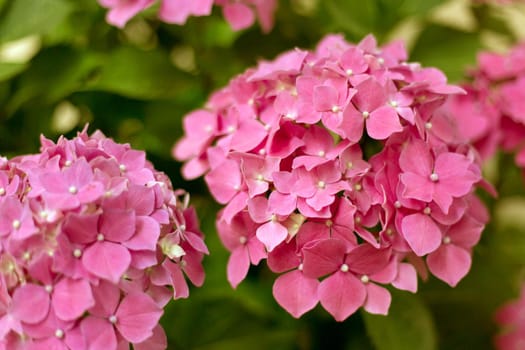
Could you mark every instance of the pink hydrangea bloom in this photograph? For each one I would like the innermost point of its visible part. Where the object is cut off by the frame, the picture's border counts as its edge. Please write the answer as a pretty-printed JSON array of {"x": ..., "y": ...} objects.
[
  {"x": 511, "y": 319},
  {"x": 240, "y": 14},
  {"x": 491, "y": 116},
  {"x": 328, "y": 166},
  {"x": 93, "y": 243}
]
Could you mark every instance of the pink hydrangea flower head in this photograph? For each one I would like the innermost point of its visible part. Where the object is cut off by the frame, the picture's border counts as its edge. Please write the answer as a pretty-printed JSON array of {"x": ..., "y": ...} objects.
[
  {"x": 239, "y": 14},
  {"x": 88, "y": 226},
  {"x": 328, "y": 166}
]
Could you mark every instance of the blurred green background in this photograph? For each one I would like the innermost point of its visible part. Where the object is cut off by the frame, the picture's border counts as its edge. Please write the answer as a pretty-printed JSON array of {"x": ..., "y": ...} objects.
[{"x": 62, "y": 66}]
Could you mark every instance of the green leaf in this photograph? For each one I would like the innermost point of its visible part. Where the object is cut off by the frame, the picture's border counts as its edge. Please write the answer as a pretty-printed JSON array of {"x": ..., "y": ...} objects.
[
  {"x": 409, "y": 325},
  {"x": 26, "y": 17},
  {"x": 450, "y": 50},
  {"x": 9, "y": 70},
  {"x": 355, "y": 17},
  {"x": 144, "y": 75},
  {"x": 54, "y": 73}
]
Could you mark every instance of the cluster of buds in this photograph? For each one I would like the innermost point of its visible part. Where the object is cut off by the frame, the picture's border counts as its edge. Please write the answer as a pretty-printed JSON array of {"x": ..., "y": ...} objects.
[
  {"x": 93, "y": 243},
  {"x": 240, "y": 14},
  {"x": 330, "y": 167},
  {"x": 492, "y": 115}
]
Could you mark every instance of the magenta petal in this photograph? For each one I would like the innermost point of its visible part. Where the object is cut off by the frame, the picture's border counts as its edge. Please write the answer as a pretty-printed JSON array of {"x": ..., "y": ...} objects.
[
  {"x": 30, "y": 303},
  {"x": 137, "y": 315},
  {"x": 341, "y": 294},
  {"x": 99, "y": 333},
  {"x": 324, "y": 257},
  {"x": 382, "y": 123},
  {"x": 352, "y": 124},
  {"x": 421, "y": 233},
  {"x": 416, "y": 158},
  {"x": 107, "y": 260},
  {"x": 271, "y": 234},
  {"x": 377, "y": 299},
  {"x": 296, "y": 293},
  {"x": 249, "y": 134},
  {"x": 238, "y": 15},
  {"x": 238, "y": 266},
  {"x": 449, "y": 263},
  {"x": 71, "y": 298},
  {"x": 417, "y": 187}
]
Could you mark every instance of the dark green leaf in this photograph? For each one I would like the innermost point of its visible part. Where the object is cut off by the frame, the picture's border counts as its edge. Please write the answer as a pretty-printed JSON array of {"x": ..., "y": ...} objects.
[
  {"x": 9, "y": 70},
  {"x": 409, "y": 325}
]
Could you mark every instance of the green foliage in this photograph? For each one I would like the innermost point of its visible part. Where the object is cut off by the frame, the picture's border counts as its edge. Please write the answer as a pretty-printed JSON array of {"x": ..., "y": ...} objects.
[
  {"x": 136, "y": 84},
  {"x": 409, "y": 325}
]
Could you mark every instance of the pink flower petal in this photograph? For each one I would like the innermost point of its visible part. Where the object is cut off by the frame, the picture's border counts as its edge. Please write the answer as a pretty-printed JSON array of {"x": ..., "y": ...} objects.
[
  {"x": 137, "y": 315},
  {"x": 107, "y": 260},
  {"x": 421, "y": 233},
  {"x": 271, "y": 234},
  {"x": 238, "y": 15},
  {"x": 99, "y": 333},
  {"x": 377, "y": 299},
  {"x": 30, "y": 303},
  {"x": 341, "y": 294},
  {"x": 449, "y": 263},
  {"x": 71, "y": 298},
  {"x": 382, "y": 123},
  {"x": 296, "y": 293}
]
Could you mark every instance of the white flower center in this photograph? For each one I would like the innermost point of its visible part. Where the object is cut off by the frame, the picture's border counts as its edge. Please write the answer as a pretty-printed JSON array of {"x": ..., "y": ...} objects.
[
  {"x": 48, "y": 288},
  {"x": 321, "y": 153},
  {"x": 335, "y": 109},
  {"x": 397, "y": 204},
  {"x": 300, "y": 267},
  {"x": 344, "y": 268},
  {"x": 446, "y": 240},
  {"x": 365, "y": 279},
  {"x": 243, "y": 240},
  {"x": 321, "y": 184},
  {"x": 68, "y": 163},
  {"x": 358, "y": 187},
  {"x": 427, "y": 210},
  {"x": 349, "y": 72},
  {"x": 2, "y": 191},
  {"x": 365, "y": 114},
  {"x": 113, "y": 319},
  {"x": 100, "y": 237},
  {"x": 428, "y": 125},
  {"x": 72, "y": 189},
  {"x": 77, "y": 253},
  {"x": 59, "y": 333},
  {"x": 394, "y": 104},
  {"x": 122, "y": 167},
  {"x": 16, "y": 224},
  {"x": 434, "y": 177}
]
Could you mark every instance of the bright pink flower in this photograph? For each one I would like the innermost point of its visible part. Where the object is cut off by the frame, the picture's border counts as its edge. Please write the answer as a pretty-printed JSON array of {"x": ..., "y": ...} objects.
[
  {"x": 239, "y": 14},
  {"x": 286, "y": 155},
  {"x": 87, "y": 224}
]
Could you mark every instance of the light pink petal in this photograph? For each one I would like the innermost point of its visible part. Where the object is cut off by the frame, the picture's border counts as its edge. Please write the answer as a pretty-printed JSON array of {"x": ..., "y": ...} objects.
[
  {"x": 137, "y": 315},
  {"x": 282, "y": 204},
  {"x": 99, "y": 334},
  {"x": 30, "y": 303},
  {"x": 146, "y": 235},
  {"x": 238, "y": 15},
  {"x": 271, "y": 234},
  {"x": 341, "y": 294},
  {"x": 249, "y": 134},
  {"x": 325, "y": 97},
  {"x": 224, "y": 181},
  {"x": 296, "y": 293},
  {"x": 382, "y": 123},
  {"x": 238, "y": 266},
  {"x": 352, "y": 124},
  {"x": 449, "y": 263},
  {"x": 235, "y": 206},
  {"x": 421, "y": 233},
  {"x": 107, "y": 297},
  {"x": 417, "y": 187},
  {"x": 158, "y": 341},
  {"x": 180, "y": 287},
  {"x": 370, "y": 95},
  {"x": 406, "y": 278},
  {"x": 377, "y": 299},
  {"x": 416, "y": 158},
  {"x": 117, "y": 225},
  {"x": 107, "y": 260},
  {"x": 71, "y": 298}
]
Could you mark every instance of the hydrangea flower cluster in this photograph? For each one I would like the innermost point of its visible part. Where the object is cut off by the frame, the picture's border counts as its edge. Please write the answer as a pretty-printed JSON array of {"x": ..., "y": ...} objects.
[
  {"x": 492, "y": 114},
  {"x": 93, "y": 243},
  {"x": 240, "y": 14},
  {"x": 512, "y": 319},
  {"x": 328, "y": 167}
]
